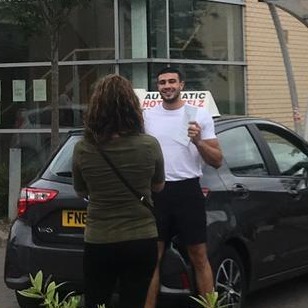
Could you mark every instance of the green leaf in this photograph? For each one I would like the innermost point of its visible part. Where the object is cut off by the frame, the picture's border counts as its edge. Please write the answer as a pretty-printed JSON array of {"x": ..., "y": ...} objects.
[
  {"x": 212, "y": 298},
  {"x": 57, "y": 298},
  {"x": 48, "y": 303},
  {"x": 38, "y": 281},
  {"x": 51, "y": 290},
  {"x": 68, "y": 295},
  {"x": 29, "y": 294},
  {"x": 75, "y": 300},
  {"x": 47, "y": 282},
  {"x": 209, "y": 301}
]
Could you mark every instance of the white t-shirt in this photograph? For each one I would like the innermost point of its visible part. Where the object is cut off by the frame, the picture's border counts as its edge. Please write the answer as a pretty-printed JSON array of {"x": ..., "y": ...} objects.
[{"x": 169, "y": 127}]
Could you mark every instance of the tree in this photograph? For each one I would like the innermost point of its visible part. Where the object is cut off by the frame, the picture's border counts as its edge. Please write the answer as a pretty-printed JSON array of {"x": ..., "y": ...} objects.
[{"x": 33, "y": 16}]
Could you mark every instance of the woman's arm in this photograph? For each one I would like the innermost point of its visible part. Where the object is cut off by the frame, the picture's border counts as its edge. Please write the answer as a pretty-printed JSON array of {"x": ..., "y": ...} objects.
[{"x": 157, "y": 187}]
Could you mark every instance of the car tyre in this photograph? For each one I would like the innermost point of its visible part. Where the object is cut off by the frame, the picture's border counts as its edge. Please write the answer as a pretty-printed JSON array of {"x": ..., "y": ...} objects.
[
  {"x": 27, "y": 302},
  {"x": 230, "y": 279}
]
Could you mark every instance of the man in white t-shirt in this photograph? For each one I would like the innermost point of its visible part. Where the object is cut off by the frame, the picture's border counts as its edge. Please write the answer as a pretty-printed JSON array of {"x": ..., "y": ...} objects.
[{"x": 187, "y": 138}]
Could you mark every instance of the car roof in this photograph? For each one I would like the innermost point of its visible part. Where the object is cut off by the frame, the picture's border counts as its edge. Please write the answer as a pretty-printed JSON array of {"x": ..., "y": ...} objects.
[
  {"x": 243, "y": 119},
  {"x": 221, "y": 122}
]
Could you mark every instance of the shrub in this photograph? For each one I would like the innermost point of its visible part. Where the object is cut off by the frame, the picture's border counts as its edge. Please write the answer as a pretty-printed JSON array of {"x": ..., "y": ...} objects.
[{"x": 48, "y": 294}]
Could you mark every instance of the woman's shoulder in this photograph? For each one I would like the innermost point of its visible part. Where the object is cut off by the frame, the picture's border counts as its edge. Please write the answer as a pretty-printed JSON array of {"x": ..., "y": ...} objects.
[
  {"x": 144, "y": 140},
  {"x": 151, "y": 143},
  {"x": 82, "y": 144},
  {"x": 148, "y": 138}
]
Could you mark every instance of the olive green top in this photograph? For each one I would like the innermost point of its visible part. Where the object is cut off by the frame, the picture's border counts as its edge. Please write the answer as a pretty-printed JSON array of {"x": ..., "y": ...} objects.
[{"x": 114, "y": 214}]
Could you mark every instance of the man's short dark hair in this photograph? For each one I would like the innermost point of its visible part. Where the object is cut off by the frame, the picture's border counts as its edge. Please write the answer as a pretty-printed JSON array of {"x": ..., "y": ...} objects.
[{"x": 172, "y": 70}]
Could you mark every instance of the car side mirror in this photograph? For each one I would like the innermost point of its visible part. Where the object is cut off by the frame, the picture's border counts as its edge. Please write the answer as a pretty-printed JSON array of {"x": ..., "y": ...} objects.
[
  {"x": 298, "y": 166},
  {"x": 305, "y": 174}
]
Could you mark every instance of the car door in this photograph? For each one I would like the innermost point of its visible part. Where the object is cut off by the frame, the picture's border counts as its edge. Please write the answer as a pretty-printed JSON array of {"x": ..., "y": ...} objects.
[
  {"x": 258, "y": 197},
  {"x": 291, "y": 158}
]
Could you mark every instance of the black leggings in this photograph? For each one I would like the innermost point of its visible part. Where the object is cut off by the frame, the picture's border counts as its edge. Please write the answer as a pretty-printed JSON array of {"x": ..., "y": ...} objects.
[{"x": 128, "y": 265}]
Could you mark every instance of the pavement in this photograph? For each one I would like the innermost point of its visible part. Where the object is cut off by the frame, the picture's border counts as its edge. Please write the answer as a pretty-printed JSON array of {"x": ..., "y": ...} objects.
[
  {"x": 3, "y": 238},
  {"x": 4, "y": 231}
]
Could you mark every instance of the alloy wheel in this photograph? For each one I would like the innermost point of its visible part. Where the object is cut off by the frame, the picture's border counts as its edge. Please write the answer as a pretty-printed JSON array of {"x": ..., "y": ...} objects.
[{"x": 229, "y": 283}]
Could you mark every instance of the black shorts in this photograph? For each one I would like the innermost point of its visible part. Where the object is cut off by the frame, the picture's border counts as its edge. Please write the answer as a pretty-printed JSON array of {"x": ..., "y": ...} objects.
[{"x": 180, "y": 209}]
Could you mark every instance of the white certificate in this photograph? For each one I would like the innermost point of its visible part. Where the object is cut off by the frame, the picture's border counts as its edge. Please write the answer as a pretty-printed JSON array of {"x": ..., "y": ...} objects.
[
  {"x": 19, "y": 90},
  {"x": 181, "y": 135},
  {"x": 39, "y": 90}
]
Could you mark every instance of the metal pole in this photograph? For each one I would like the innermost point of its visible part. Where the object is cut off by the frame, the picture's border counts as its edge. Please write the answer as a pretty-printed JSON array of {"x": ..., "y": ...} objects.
[
  {"x": 288, "y": 67},
  {"x": 14, "y": 181}
]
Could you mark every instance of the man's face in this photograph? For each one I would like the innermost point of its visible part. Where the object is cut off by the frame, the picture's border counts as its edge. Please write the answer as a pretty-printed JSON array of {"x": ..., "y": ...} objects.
[{"x": 170, "y": 87}]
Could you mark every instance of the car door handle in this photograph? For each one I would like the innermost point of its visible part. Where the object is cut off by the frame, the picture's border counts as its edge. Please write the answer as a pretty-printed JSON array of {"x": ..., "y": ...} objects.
[
  {"x": 291, "y": 187},
  {"x": 240, "y": 190},
  {"x": 293, "y": 191}
]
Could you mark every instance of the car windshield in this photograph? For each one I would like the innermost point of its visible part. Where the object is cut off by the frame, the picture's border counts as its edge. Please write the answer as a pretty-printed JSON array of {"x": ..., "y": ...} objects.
[{"x": 62, "y": 163}]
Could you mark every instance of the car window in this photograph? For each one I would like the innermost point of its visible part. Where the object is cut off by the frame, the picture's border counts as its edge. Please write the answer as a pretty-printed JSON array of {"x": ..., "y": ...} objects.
[
  {"x": 62, "y": 163},
  {"x": 241, "y": 153},
  {"x": 289, "y": 157}
]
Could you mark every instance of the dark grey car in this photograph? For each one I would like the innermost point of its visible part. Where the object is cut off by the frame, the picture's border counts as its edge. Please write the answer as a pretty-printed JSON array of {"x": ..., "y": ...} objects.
[{"x": 257, "y": 217}]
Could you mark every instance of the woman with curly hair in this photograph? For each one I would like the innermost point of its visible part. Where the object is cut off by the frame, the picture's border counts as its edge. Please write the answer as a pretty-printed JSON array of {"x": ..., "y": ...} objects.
[{"x": 120, "y": 233}]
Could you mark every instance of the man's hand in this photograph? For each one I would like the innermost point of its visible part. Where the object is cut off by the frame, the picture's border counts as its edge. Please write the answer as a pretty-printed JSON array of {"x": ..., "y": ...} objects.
[
  {"x": 194, "y": 132},
  {"x": 209, "y": 149}
]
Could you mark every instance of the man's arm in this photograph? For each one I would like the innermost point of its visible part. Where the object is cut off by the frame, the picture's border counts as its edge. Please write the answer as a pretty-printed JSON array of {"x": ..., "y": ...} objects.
[
  {"x": 210, "y": 152},
  {"x": 209, "y": 149}
]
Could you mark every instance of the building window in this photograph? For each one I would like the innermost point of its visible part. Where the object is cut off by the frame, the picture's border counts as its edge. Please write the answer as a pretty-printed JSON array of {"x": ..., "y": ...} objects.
[
  {"x": 158, "y": 29},
  {"x": 205, "y": 30},
  {"x": 86, "y": 36}
]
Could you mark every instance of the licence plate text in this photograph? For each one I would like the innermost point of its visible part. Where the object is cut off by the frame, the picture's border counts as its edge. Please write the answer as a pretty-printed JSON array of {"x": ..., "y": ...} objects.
[{"x": 71, "y": 218}]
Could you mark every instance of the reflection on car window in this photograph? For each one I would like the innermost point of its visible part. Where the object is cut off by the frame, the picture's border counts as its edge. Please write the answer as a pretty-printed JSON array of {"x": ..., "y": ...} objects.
[
  {"x": 62, "y": 163},
  {"x": 44, "y": 118},
  {"x": 289, "y": 157},
  {"x": 66, "y": 117},
  {"x": 241, "y": 153},
  {"x": 69, "y": 116}
]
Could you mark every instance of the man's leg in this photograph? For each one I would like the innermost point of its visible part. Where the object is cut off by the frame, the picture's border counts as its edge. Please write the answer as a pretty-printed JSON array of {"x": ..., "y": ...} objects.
[
  {"x": 203, "y": 271},
  {"x": 154, "y": 285}
]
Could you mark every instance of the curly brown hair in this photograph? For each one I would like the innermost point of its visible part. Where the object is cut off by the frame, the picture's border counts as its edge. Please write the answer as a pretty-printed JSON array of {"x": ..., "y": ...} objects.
[{"x": 114, "y": 108}]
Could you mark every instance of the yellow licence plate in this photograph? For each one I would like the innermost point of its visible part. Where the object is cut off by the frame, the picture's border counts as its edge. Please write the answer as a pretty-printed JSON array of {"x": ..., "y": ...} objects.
[{"x": 71, "y": 218}]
